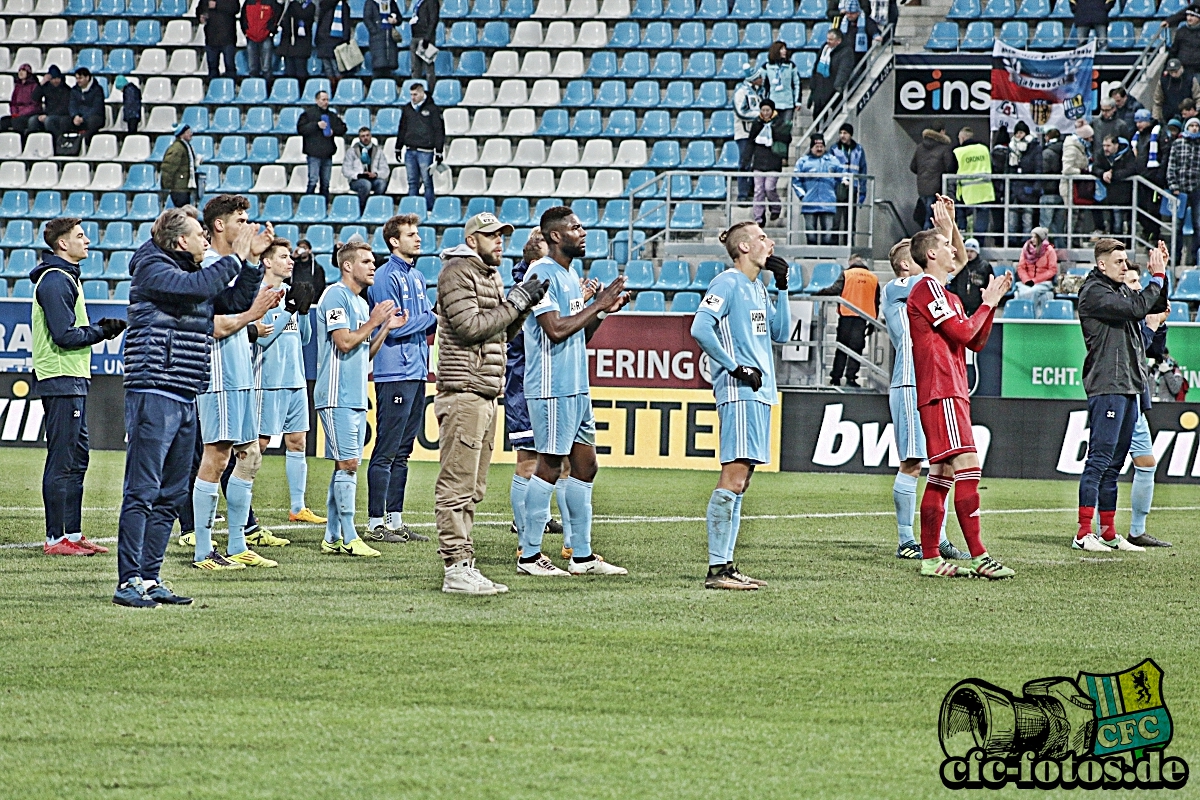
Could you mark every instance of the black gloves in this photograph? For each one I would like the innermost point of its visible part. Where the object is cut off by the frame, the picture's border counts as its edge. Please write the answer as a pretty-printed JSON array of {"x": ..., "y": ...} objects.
[
  {"x": 299, "y": 299},
  {"x": 252, "y": 332},
  {"x": 111, "y": 327},
  {"x": 779, "y": 268},
  {"x": 437, "y": 157},
  {"x": 749, "y": 376},
  {"x": 528, "y": 293}
]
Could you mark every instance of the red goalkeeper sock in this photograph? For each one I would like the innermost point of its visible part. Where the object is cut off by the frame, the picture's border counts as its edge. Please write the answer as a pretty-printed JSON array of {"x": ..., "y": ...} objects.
[
  {"x": 966, "y": 506},
  {"x": 1108, "y": 525},
  {"x": 933, "y": 509},
  {"x": 1086, "y": 514}
]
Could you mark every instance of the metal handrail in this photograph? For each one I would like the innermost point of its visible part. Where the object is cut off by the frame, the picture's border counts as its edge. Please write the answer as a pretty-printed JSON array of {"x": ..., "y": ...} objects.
[
  {"x": 1147, "y": 56},
  {"x": 861, "y": 71}
]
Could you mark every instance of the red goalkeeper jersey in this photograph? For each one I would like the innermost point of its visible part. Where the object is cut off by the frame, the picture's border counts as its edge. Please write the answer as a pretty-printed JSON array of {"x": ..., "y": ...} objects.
[{"x": 941, "y": 333}]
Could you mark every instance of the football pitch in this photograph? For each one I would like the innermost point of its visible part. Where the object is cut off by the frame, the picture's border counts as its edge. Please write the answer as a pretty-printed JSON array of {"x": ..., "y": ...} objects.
[{"x": 344, "y": 678}]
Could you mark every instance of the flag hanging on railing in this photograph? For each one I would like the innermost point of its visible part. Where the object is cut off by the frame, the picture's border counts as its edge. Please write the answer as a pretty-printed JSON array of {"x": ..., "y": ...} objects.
[{"x": 1046, "y": 90}]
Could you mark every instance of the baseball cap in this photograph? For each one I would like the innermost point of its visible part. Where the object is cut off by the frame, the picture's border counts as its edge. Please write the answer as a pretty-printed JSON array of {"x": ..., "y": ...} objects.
[
  {"x": 1174, "y": 64},
  {"x": 971, "y": 244},
  {"x": 486, "y": 223}
]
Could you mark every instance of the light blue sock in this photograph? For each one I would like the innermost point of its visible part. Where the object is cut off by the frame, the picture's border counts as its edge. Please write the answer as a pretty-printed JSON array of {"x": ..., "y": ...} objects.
[
  {"x": 537, "y": 514},
  {"x": 345, "y": 489},
  {"x": 579, "y": 508},
  {"x": 720, "y": 525},
  {"x": 904, "y": 496},
  {"x": 296, "y": 466},
  {"x": 204, "y": 508},
  {"x": 560, "y": 495},
  {"x": 516, "y": 498},
  {"x": 237, "y": 499},
  {"x": 1141, "y": 497},
  {"x": 333, "y": 525},
  {"x": 734, "y": 527}
]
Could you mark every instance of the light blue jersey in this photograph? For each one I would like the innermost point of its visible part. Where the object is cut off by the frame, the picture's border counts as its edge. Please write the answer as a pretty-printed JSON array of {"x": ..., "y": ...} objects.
[
  {"x": 229, "y": 358},
  {"x": 341, "y": 377},
  {"x": 895, "y": 313},
  {"x": 735, "y": 325},
  {"x": 555, "y": 370},
  {"x": 279, "y": 358}
]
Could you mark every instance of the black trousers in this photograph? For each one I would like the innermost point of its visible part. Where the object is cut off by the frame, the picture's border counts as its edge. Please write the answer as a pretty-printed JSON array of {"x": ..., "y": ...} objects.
[
  {"x": 852, "y": 332},
  {"x": 66, "y": 464}
]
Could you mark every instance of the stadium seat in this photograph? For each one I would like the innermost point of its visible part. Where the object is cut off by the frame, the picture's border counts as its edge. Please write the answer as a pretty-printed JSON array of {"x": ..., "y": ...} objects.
[
  {"x": 602, "y": 65},
  {"x": 514, "y": 211},
  {"x": 700, "y": 66},
  {"x": 647, "y": 9},
  {"x": 679, "y": 9},
  {"x": 651, "y": 302},
  {"x": 597, "y": 244},
  {"x": 1020, "y": 309},
  {"x": 495, "y": 35},
  {"x": 688, "y": 216},
  {"x": 18, "y": 232},
  {"x": 145, "y": 206},
  {"x": 530, "y": 153},
  {"x": 225, "y": 120},
  {"x": 705, "y": 272},
  {"x": 1121, "y": 35},
  {"x": 656, "y": 124},
  {"x": 943, "y": 37},
  {"x": 1188, "y": 286},
  {"x": 968, "y": 9},
  {"x": 597, "y": 153},
  {"x": 999, "y": 10},
  {"x": 586, "y": 124},
  {"x": 674, "y": 275},
  {"x": 83, "y": 32},
  {"x": 978, "y": 36},
  {"x": 377, "y": 211},
  {"x": 645, "y": 95},
  {"x": 446, "y": 210},
  {"x": 111, "y": 206},
  {"x": 517, "y": 242},
  {"x": 80, "y": 204},
  {"x": 621, "y": 123},
  {"x": 625, "y": 36},
  {"x": 635, "y": 64},
  {"x": 756, "y": 36},
  {"x": 554, "y": 123},
  {"x": 140, "y": 178},
  {"x": 1167, "y": 8},
  {"x": 310, "y": 209},
  {"x": 724, "y": 36},
  {"x": 114, "y": 33},
  {"x": 665, "y": 155},
  {"x": 254, "y": 90},
  {"x": 1048, "y": 35},
  {"x": 471, "y": 181},
  {"x": 632, "y": 153},
  {"x": 685, "y": 303},
  {"x": 816, "y": 37},
  {"x": 47, "y": 205},
  {"x": 1015, "y": 33},
  {"x": 356, "y": 118},
  {"x": 118, "y": 266},
  {"x": 639, "y": 274},
  {"x": 344, "y": 209},
  {"x": 1058, "y": 310},
  {"x": 1031, "y": 10},
  {"x": 237, "y": 179},
  {"x": 278, "y": 208},
  {"x": 700, "y": 155},
  {"x": 231, "y": 150},
  {"x": 92, "y": 267},
  {"x": 147, "y": 33},
  {"x": 539, "y": 182},
  {"x": 319, "y": 236},
  {"x": 824, "y": 274},
  {"x": 220, "y": 92},
  {"x": 611, "y": 94},
  {"x": 578, "y": 93}
]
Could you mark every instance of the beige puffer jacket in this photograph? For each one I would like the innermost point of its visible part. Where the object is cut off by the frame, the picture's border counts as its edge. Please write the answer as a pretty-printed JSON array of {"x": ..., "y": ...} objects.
[{"x": 474, "y": 324}]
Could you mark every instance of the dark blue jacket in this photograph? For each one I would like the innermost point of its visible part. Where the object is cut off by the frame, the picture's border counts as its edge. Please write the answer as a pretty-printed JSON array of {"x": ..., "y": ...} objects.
[
  {"x": 56, "y": 294},
  {"x": 171, "y": 306},
  {"x": 89, "y": 103}
]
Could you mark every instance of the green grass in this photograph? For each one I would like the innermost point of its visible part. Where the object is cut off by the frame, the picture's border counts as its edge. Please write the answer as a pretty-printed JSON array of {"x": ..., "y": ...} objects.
[{"x": 340, "y": 678}]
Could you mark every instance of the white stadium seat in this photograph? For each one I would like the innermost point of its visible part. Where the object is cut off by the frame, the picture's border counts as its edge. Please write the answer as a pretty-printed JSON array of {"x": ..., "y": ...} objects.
[
  {"x": 38, "y": 146},
  {"x": 188, "y": 92},
  {"x": 24, "y": 31},
  {"x": 76, "y": 176},
  {"x": 528, "y": 35},
  {"x": 521, "y": 122},
  {"x": 183, "y": 62},
  {"x": 157, "y": 90},
  {"x": 472, "y": 181},
  {"x": 512, "y": 94},
  {"x": 12, "y": 173},
  {"x": 54, "y": 31},
  {"x": 631, "y": 153},
  {"x": 530, "y": 153},
  {"x": 597, "y": 153},
  {"x": 582, "y": 9},
  {"x": 33, "y": 57},
  {"x": 457, "y": 121},
  {"x": 338, "y": 183},
  {"x": 152, "y": 61},
  {"x": 462, "y": 153},
  {"x": 593, "y": 35},
  {"x": 48, "y": 8},
  {"x": 495, "y": 153},
  {"x": 162, "y": 120},
  {"x": 10, "y": 145},
  {"x": 506, "y": 182},
  {"x": 614, "y": 9},
  {"x": 298, "y": 183},
  {"x": 293, "y": 151},
  {"x": 5, "y": 56},
  {"x": 397, "y": 182},
  {"x": 560, "y": 35},
  {"x": 178, "y": 33},
  {"x": 43, "y": 175},
  {"x": 503, "y": 64},
  {"x": 61, "y": 57},
  {"x": 609, "y": 183},
  {"x": 18, "y": 7},
  {"x": 108, "y": 177},
  {"x": 573, "y": 183},
  {"x": 486, "y": 122},
  {"x": 550, "y": 9},
  {"x": 135, "y": 149},
  {"x": 569, "y": 64},
  {"x": 563, "y": 153},
  {"x": 480, "y": 92},
  {"x": 545, "y": 93},
  {"x": 389, "y": 151},
  {"x": 272, "y": 178},
  {"x": 538, "y": 183},
  {"x": 103, "y": 147},
  {"x": 536, "y": 64}
]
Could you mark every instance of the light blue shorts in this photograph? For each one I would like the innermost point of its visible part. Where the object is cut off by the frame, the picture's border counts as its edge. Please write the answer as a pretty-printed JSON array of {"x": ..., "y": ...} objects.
[
  {"x": 228, "y": 416},
  {"x": 745, "y": 431},
  {"x": 906, "y": 423},
  {"x": 560, "y": 422},
  {"x": 282, "y": 411},
  {"x": 1142, "y": 444},
  {"x": 345, "y": 432}
]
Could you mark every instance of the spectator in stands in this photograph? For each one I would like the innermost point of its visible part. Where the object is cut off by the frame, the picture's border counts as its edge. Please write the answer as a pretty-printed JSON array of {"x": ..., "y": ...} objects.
[
  {"x": 318, "y": 126},
  {"x": 87, "y": 104},
  {"x": 932, "y": 159},
  {"x": 1175, "y": 85},
  {"x": 381, "y": 18},
  {"x": 423, "y": 24},
  {"x": 884, "y": 12},
  {"x": 854, "y": 160},
  {"x": 260, "y": 20},
  {"x": 1151, "y": 146},
  {"x": 1185, "y": 46},
  {"x": 1108, "y": 123},
  {"x": 422, "y": 136},
  {"x": 1077, "y": 159},
  {"x": 858, "y": 28},
  {"x": 1188, "y": 109},
  {"x": 295, "y": 42},
  {"x": 818, "y": 193},
  {"x": 832, "y": 71},
  {"x": 1127, "y": 105},
  {"x": 972, "y": 157},
  {"x": 969, "y": 281},
  {"x": 1001, "y": 152},
  {"x": 1024, "y": 156},
  {"x": 858, "y": 286},
  {"x": 1183, "y": 170},
  {"x": 1051, "y": 214},
  {"x": 334, "y": 27},
  {"x": 131, "y": 102},
  {"x": 781, "y": 80},
  {"x": 747, "y": 99},
  {"x": 1036, "y": 270},
  {"x": 1093, "y": 15},
  {"x": 1114, "y": 165},
  {"x": 178, "y": 168},
  {"x": 306, "y": 269},
  {"x": 220, "y": 20},
  {"x": 770, "y": 136},
  {"x": 23, "y": 106},
  {"x": 365, "y": 167}
]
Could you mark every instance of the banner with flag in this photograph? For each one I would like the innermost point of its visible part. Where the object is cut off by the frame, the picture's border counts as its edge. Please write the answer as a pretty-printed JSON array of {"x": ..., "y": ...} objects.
[{"x": 1046, "y": 90}]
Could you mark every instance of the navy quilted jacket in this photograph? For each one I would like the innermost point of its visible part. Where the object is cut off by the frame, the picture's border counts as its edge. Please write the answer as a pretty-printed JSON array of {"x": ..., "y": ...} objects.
[{"x": 171, "y": 306}]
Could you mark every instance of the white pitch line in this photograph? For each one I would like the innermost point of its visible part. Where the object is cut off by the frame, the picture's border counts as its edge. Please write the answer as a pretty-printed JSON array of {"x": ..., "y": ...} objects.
[{"x": 626, "y": 520}]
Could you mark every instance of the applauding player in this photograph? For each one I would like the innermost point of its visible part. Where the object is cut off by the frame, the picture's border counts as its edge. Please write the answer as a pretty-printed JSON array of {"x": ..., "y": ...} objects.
[{"x": 735, "y": 326}]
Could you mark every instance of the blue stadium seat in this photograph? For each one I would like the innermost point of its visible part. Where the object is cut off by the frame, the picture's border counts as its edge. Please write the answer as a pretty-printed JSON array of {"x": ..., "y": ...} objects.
[
  {"x": 513, "y": 211},
  {"x": 447, "y": 93},
  {"x": 1121, "y": 35},
  {"x": 387, "y": 122},
  {"x": 254, "y": 90},
  {"x": 344, "y": 209},
  {"x": 120, "y": 62},
  {"x": 1019, "y": 309},
  {"x": 586, "y": 123},
  {"x": 1136, "y": 9},
  {"x": 639, "y": 274},
  {"x": 1062, "y": 10},
  {"x": 446, "y": 210},
  {"x": 349, "y": 92},
  {"x": 416, "y": 205},
  {"x": 278, "y": 208},
  {"x": 709, "y": 187},
  {"x": 778, "y": 9},
  {"x": 712, "y": 95},
  {"x": 115, "y": 32},
  {"x": 143, "y": 8},
  {"x": 232, "y": 149},
  {"x": 621, "y": 123},
  {"x": 978, "y": 36},
  {"x": 646, "y": 9},
  {"x": 724, "y": 36},
  {"x": 616, "y": 214},
  {"x": 680, "y": 9},
  {"x": 664, "y": 155},
  {"x": 823, "y": 276},
  {"x": 999, "y": 10},
  {"x": 495, "y": 35},
  {"x": 429, "y": 267},
  {"x": 1188, "y": 287},
  {"x": 143, "y": 234},
  {"x": 588, "y": 212},
  {"x": 634, "y": 65},
  {"x": 346, "y": 232},
  {"x": 319, "y": 236},
  {"x": 793, "y": 34},
  {"x": 622, "y": 247},
  {"x": 285, "y": 91},
  {"x": 118, "y": 265},
  {"x": 603, "y": 65},
  {"x": 356, "y": 118},
  {"x": 237, "y": 179},
  {"x": 656, "y": 124},
  {"x": 220, "y": 92},
  {"x": 667, "y": 65},
  {"x": 596, "y": 244},
  {"x": 580, "y": 93},
  {"x": 78, "y": 8},
  {"x": 685, "y": 303},
  {"x": 746, "y": 9},
  {"x": 92, "y": 58},
  {"x": 140, "y": 178},
  {"x": 700, "y": 155},
  {"x": 690, "y": 36},
  {"x": 1058, "y": 309},
  {"x": 728, "y": 159},
  {"x": 688, "y": 215},
  {"x": 1047, "y": 36},
  {"x": 121, "y": 292},
  {"x": 1149, "y": 32},
  {"x": 1033, "y": 10},
  {"x": 84, "y": 31},
  {"x": 311, "y": 208},
  {"x": 712, "y": 9},
  {"x": 645, "y": 95},
  {"x": 680, "y": 94},
  {"x": 543, "y": 205},
  {"x": 943, "y": 37},
  {"x": 674, "y": 275},
  {"x": 258, "y": 120},
  {"x": 967, "y": 9},
  {"x": 603, "y": 270},
  {"x": 1166, "y": 8},
  {"x": 17, "y": 233},
  {"x": 289, "y": 231},
  {"x": 92, "y": 267},
  {"x": 196, "y": 118},
  {"x": 20, "y": 264},
  {"x": 112, "y": 206},
  {"x": 311, "y": 87},
  {"x": 688, "y": 125},
  {"x": 378, "y": 210},
  {"x": 91, "y": 229},
  {"x": 145, "y": 206},
  {"x": 651, "y": 214},
  {"x": 816, "y": 36},
  {"x": 1179, "y": 313},
  {"x": 517, "y": 242},
  {"x": 172, "y": 8},
  {"x": 471, "y": 64},
  {"x": 656, "y": 36},
  {"x": 383, "y": 91},
  {"x": 611, "y": 94},
  {"x": 485, "y": 9},
  {"x": 811, "y": 10},
  {"x": 734, "y": 66},
  {"x": 701, "y": 66},
  {"x": 454, "y": 9},
  {"x": 756, "y": 36},
  {"x": 147, "y": 33},
  {"x": 225, "y": 120},
  {"x": 651, "y": 302},
  {"x": 95, "y": 290},
  {"x": 24, "y": 287},
  {"x": 805, "y": 62},
  {"x": 554, "y": 122},
  {"x": 80, "y": 204}
]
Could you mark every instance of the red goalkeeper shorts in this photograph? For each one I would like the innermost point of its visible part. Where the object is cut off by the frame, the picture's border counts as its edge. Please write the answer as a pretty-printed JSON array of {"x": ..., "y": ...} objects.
[{"x": 947, "y": 426}]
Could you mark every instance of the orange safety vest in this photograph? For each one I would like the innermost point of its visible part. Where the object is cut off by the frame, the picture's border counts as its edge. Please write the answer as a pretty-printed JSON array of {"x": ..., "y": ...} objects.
[{"x": 860, "y": 288}]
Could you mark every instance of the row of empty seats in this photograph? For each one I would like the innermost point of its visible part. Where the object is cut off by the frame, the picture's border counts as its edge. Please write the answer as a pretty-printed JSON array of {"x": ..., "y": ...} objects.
[
  {"x": 1049, "y": 35},
  {"x": 1034, "y": 10},
  {"x": 626, "y": 35},
  {"x": 102, "y": 8}
]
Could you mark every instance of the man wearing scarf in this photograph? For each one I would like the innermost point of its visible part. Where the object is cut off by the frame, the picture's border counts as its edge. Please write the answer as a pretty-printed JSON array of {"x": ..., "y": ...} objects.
[
  {"x": 380, "y": 17},
  {"x": 1114, "y": 166},
  {"x": 1183, "y": 170},
  {"x": 1151, "y": 147},
  {"x": 858, "y": 28},
  {"x": 832, "y": 71}
]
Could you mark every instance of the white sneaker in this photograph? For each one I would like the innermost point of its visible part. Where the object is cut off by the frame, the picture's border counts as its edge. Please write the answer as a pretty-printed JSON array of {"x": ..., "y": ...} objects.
[
  {"x": 597, "y": 566},
  {"x": 543, "y": 567},
  {"x": 1124, "y": 544},
  {"x": 463, "y": 578},
  {"x": 1091, "y": 543}
]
